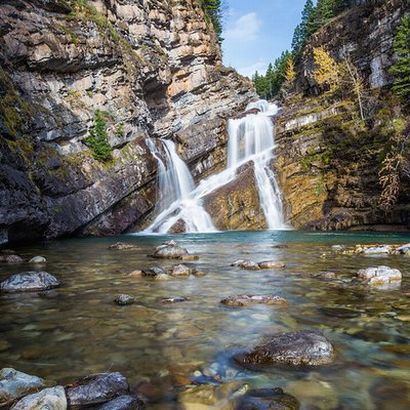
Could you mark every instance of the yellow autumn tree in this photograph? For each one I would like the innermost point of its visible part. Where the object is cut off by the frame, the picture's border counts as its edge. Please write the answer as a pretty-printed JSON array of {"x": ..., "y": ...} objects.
[{"x": 327, "y": 70}]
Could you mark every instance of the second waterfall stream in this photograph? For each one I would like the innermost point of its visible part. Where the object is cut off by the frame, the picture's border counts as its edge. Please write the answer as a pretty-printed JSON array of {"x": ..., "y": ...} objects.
[{"x": 251, "y": 138}]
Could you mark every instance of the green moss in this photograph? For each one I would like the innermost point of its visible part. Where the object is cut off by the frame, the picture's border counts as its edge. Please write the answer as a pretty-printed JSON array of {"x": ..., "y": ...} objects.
[
  {"x": 322, "y": 159},
  {"x": 14, "y": 110}
]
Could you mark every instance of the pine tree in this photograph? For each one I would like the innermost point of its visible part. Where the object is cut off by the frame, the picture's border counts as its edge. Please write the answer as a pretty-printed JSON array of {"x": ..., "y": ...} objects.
[
  {"x": 213, "y": 9},
  {"x": 326, "y": 10},
  {"x": 401, "y": 69},
  {"x": 290, "y": 72}
]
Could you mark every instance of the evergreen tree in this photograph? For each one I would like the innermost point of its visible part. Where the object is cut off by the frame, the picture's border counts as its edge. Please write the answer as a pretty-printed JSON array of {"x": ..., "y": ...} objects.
[
  {"x": 213, "y": 10},
  {"x": 401, "y": 70}
]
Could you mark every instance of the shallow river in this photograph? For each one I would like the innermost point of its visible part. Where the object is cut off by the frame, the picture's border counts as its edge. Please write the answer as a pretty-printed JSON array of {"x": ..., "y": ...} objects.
[{"x": 77, "y": 329}]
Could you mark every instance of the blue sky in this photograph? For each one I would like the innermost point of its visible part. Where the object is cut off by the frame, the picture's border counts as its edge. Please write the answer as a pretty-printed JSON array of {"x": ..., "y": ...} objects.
[{"x": 257, "y": 31}]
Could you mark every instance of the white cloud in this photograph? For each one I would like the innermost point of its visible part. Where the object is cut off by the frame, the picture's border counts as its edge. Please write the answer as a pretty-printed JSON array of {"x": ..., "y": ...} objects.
[
  {"x": 248, "y": 71},
  {"x": 245, "y": 28}
]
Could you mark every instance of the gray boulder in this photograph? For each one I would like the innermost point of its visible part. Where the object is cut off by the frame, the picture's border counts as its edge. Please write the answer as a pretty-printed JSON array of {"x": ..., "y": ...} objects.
[
  {"x": 304, "y": 348},
  {"x": 15, "y": 384},
  {"x": 271, "y": 265},
  {"x": 12, "y": 259},
  {"x": 170, "y": 250},
  {"x": 29, "y": 282},
  {"x": 96, "y": 389},
  {"x": 246, "y": 264},
  {"x": 379, "y": 276},
  {"x": 53, "y": 398}
]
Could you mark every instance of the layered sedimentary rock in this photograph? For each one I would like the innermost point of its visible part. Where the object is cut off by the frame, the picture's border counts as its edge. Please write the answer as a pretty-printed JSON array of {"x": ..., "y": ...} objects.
[
  {"x": 153, "y": 68},
  {"x": 328, "y": 159}
]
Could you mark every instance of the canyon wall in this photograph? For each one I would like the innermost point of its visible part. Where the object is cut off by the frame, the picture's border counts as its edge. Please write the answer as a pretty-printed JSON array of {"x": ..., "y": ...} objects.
[
  {"x": 328, "y": 159},
  {"x": 152, "y": 67}
]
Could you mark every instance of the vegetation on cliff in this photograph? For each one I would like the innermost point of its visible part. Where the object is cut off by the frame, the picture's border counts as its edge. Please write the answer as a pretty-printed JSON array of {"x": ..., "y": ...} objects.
[
  {"x": 213, "y": 11},
  {"x": 401, "y": 70},
  {"x": 97, "y": 140},
  {"x": 313, "y": 18}
]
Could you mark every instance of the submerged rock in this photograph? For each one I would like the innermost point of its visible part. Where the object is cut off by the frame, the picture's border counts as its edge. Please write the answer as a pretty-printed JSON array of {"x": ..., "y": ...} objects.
[
  {"x": 15, "y": 384},
  {"x": 53, "y": 398},
  {"x": 136, "y": 273},
  {"x": 181, "y": 270},
  {"x": 314, "y": 394},
  {"x": 29, "y": 282},
  {"x": 271, "y": 265},
  {"x": 176, "y": 299},
  {"x": 375, "y": 250},
  {"x": 342, "y": 313},
  {"x": 247, "y": 300},
  {"x": 211, "y": 396},
  {"x": 96, "y": 389},
  {"x": 13, "y": 259},
  {"x": 303, "y": 348},
  {"x": 162, "y": 277},
  {"x": 124, "y": 300},
  {"x": 268, "y": 399},
  {"x": 122, "y": 246},
  {"x": 170, "y": 250},
  {"x": 124, "y": 403},
  {"x": 246, "y": 264},
  {"x": 154, "y": 271},
  {"x": 38, "y": 259},
  {"x": 379, "y": 276}
]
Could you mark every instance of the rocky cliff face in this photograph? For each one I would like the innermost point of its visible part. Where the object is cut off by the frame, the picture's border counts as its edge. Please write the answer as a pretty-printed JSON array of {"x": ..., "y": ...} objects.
[
  {"x": 328, "y": 159},
  {"x": 153, "y": 67}
]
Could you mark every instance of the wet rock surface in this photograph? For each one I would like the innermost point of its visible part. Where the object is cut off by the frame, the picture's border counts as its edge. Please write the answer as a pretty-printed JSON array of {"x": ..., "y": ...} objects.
[
  {"x": 248, "y": 300},
  {"x": 271, "y": 265},
  {"x": 170, "y": 250},
  {"x": 15, "y": 384},
  {"x": 268, "y": 399},
  {"x": 29, "y": 282},
  {"x": 38, "y": 260},
  {"x": 96, "y": 389},
  {"x": 13, "y": 259},
  {"x": 175, "y": 299},
  {"x": 379, "y": 276},
  {"x": 246, "y": 264},
  {"x": 123, "y": 403},
  {"x": 53, "y": 398},
  {"x": 124, "y": 300},
  {"x": 304, "y": 348}
]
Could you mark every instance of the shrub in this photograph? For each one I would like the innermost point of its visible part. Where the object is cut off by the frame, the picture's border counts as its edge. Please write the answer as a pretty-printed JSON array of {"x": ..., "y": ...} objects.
[{"x": 97, "y": 140}]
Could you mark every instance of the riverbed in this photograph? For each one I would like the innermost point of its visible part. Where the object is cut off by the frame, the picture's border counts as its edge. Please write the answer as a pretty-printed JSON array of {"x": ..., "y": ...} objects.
[{"x": 76, "y": 330}]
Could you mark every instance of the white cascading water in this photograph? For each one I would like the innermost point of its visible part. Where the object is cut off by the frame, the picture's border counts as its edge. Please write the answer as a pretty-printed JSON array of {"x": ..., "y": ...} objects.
[
  {"x": 251, "y": 138},
  {"x": 175, "y": 188}
]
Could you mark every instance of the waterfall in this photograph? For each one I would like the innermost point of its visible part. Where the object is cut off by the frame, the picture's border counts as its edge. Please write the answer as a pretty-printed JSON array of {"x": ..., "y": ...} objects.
[
  {"x": 175, "y": 201},
  {"x": 251, "y": 138}
]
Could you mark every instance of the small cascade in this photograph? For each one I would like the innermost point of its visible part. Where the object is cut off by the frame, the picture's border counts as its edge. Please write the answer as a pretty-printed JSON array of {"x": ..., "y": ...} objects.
[
  {"x": 175, "y": 202},
  {"x": 251, "y": 138}
]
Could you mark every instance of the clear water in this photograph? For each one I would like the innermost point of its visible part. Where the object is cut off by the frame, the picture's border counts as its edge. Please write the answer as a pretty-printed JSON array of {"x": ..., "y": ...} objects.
[{"x": 77, "y": 330}]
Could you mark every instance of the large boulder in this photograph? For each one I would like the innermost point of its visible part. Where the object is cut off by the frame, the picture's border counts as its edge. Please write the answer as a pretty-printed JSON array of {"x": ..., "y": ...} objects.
[
  {"x": 236, "y": 205},
  {"x": 379, "y": 276},
  {"x": 268, "y": 399},
  {"x": 29, "y": 282},
  {"x": 170, "y": 250},
  {"x": 246, "y": 264},
  {"x": 248, "y": 300},
  {"x": 96, "y": 389},
  {"x": 15, "y": 384},
  {"x": 53, "y": 398},
  {"x": 303, "y": 348}
]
